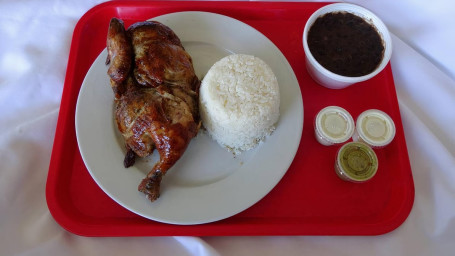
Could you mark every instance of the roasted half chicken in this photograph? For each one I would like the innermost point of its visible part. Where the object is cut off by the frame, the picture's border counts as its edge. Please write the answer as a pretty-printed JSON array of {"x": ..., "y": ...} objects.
[{"x": 155, "y": 94}]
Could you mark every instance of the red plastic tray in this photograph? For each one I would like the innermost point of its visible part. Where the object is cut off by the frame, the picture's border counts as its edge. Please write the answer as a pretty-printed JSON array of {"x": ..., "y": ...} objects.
[{"x": 309, "y": 200}]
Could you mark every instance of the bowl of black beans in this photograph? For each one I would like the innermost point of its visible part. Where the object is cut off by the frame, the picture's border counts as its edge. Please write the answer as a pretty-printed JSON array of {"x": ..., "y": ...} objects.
[{"x": 345, "y": 44}]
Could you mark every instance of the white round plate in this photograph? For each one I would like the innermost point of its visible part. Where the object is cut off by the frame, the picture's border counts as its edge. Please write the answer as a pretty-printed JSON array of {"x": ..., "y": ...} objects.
[{"x": 208, "y": 183}]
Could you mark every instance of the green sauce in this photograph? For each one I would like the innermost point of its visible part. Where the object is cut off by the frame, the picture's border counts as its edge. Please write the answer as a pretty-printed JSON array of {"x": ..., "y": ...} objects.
[{"x": 356, "y": 162}]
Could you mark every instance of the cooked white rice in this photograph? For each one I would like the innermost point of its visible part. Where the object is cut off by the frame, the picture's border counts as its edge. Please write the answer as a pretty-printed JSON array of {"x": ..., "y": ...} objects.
[{"x": 239, "y": 102}]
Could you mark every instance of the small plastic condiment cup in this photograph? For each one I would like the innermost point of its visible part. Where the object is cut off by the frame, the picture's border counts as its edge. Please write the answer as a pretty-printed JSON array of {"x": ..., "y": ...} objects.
[
  {"x": 329, "y": 79},
  {"x": 375, "y": 128},
  {"x": 333, "y": 125},
  {"x": 356, "y": 162}
]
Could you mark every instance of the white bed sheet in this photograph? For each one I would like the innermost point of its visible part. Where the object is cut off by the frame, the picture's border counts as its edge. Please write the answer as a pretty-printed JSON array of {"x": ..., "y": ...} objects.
[{"x": 35, "y": 38}]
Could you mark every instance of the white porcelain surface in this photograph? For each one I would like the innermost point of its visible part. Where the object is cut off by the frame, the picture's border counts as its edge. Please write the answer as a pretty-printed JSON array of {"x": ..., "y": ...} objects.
[{"x": 208, "y": 183}]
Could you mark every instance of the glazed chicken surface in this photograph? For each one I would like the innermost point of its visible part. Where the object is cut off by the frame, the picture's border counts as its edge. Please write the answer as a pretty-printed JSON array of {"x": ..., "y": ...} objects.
[{"x": 156, "y": 92}]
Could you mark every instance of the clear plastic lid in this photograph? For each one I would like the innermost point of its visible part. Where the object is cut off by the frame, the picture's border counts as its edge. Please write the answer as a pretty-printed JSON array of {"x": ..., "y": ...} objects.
[
  {"x": 375, "y": 128},
  {"x": 356, "y": 162},
  {"x": 333, "y": 125}
]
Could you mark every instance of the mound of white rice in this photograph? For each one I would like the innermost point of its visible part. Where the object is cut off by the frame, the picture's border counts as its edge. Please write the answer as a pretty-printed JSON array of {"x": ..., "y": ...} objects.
[{"x": 239, "y": 102}]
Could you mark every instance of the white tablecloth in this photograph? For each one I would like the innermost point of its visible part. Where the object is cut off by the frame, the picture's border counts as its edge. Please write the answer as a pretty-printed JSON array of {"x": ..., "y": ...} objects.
[{"x": 35, "y": 38}]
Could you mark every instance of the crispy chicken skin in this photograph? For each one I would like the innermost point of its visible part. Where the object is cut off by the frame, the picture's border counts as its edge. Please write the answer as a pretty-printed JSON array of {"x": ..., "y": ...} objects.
[
  {"x": 159, "y": 56},
  {"x": 156, "y": 93},
  {"x": 119, "y": 56}
]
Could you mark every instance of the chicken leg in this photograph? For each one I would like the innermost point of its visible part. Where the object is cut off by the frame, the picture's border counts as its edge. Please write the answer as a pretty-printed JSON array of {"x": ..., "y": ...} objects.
[{"x": 155, "y": 94}]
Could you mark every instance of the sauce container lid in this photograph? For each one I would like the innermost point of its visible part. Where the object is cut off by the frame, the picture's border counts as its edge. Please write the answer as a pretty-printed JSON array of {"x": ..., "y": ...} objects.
[
  {"x": 356, "y": 162},
  {"x": 375, "y": 128},
  {"x": 334, "y": 125}
]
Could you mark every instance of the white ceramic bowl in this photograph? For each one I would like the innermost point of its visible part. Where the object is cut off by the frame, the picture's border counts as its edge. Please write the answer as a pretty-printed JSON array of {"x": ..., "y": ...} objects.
[{"x": 329, "y": 79}]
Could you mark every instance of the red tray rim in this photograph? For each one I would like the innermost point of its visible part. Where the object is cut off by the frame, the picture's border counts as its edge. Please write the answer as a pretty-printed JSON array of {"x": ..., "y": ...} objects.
[{"x": 64, "y": 218}]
